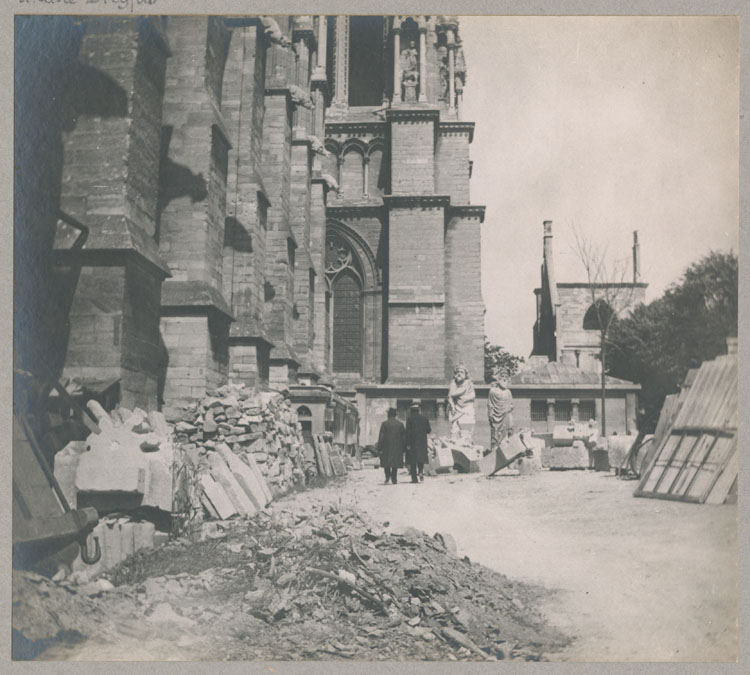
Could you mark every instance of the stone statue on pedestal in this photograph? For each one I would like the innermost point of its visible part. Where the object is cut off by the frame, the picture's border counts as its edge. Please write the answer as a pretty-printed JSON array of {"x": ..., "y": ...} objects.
[
  {"x": 499, "y": 408},
  {"x": 461, "y": 398}
]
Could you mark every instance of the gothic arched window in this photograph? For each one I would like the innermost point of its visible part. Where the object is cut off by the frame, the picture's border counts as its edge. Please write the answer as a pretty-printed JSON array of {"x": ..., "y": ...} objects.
[{"x": 345, "y": 312}]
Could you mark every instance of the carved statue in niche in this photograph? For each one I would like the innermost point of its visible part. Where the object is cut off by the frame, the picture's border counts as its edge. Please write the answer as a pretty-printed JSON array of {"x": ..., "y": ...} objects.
[
  {"x": 444, "y": 74},
  {"x": 460, "y": 71},
  {"x": 410, "y": 71}
]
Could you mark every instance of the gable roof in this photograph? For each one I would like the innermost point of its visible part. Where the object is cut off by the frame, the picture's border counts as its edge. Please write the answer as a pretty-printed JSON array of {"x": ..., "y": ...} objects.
[{"x": 555, "y": 374}]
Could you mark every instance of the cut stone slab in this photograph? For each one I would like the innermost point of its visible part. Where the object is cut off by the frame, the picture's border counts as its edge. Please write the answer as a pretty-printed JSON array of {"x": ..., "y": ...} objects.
[
  {"x": 120, "y": 472},
  {"x": 566, "y": 457},
  {"x": 467, "y": 458},
  {"x": 261, "y": 479},
  {"x": 221, "y": 473},
  {"x": 159, "y": 488},
  {"x": 443, "y": 457},
  {"x": 566, "y": 434},
  {"x": 245, "y": 476},
  {"x": 221, "y": 503}
]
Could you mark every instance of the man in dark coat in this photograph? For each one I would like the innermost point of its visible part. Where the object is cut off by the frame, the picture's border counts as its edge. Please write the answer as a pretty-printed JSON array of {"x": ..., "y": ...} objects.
[
  {"x": 417, "y": 428},
  {"x": 391, "y": 446}
]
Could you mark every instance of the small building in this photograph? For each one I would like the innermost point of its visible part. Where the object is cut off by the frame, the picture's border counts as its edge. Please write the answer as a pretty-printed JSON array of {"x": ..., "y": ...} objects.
[
  {"x": 320, "y": 409},
  {"x": 554, "y": 393}
]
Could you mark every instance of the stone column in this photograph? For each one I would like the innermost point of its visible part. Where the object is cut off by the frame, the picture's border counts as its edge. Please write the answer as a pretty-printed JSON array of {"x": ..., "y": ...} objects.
[
  {"x": 396, "y": 64},
  {"x": 550, "y": 414},
  {"x": 451, "y": 72},
  {"x": 422, "y": 64},
  {"x": 322, "y": 41},
  {"x": 574, "y": 409},
  {"x": 341, "y": 84},
  {"x": 366, "y": 162}
]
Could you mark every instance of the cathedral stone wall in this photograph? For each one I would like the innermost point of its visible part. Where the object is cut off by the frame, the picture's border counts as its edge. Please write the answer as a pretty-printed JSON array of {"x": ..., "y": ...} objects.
[
  {"x": 200, "y": 153},
  {"x": 110, "y": 184},
  {"x": 416, "y": 253},
  {"x": 464, "y": 313}
]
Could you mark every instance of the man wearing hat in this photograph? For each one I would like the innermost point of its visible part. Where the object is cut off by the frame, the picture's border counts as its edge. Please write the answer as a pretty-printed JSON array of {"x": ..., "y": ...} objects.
[
  {"x": 417, "y": 428},
  {"x": 391, "y": 446}
]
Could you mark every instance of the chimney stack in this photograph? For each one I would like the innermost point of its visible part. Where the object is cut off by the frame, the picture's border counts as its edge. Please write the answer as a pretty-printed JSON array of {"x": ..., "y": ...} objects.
[
  {"x": 636, "y": 258},
  {"x": 547, "y": 250}
]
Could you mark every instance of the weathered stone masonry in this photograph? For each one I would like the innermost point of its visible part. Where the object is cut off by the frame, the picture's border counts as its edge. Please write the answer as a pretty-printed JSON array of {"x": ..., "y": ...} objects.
[{"x": 250, "y": 217}]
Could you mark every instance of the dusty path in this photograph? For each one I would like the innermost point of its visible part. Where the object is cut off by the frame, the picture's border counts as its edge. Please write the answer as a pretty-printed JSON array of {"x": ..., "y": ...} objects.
[{"x": 631, "y": 579}]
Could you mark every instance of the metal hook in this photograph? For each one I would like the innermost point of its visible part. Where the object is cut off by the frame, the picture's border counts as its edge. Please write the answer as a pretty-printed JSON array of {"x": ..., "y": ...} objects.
[{"x": 85, "y": 551}]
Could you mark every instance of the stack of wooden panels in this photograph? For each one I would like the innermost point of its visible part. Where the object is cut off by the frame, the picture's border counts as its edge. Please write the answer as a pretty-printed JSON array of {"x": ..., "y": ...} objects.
[
  {"x": 328, "y": 457},
  {"x": 696, "y": 459}
]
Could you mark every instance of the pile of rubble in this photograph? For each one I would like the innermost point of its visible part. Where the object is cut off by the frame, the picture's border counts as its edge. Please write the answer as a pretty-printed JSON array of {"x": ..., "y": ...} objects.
[
  {"x": 237, "y": 450},
  {"x": 315, "y": 583},
  {"x": 229, "y": 454}
]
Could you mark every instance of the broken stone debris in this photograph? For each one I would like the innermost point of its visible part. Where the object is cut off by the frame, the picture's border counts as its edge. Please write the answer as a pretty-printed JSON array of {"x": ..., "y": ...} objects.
[
  {"x": 238, "y": 449},
  {"x": 229, "y": 454},
  {"x": 272, "y": 586}
]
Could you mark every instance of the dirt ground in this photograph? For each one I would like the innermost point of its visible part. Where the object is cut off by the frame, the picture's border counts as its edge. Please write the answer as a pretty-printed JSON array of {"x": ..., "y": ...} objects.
[
  {"x": 627, "y": 579},
  {"x": 630, "y": 579}
]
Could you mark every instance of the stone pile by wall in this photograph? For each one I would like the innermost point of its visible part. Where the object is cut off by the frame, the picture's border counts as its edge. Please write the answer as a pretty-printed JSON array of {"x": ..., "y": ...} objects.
[
  {"x": 237, "y": 449},
  {"x": 230, "y": 453}
]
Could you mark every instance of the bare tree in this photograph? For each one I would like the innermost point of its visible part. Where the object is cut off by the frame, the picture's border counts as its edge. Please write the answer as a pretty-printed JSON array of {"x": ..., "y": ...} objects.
[{"x": 611, "y": 295}]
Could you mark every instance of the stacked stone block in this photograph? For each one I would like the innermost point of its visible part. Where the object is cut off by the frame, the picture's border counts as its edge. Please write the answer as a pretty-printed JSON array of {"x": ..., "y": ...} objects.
[{"x": 413, "y": 151}]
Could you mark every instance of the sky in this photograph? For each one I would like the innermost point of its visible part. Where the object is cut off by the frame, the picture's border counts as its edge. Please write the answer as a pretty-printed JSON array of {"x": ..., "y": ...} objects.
[{"x": 602, "y": 125}]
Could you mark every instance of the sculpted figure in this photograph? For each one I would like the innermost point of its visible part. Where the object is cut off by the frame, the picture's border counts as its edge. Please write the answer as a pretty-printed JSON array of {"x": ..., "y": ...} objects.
[
  {"x": 461, "y": 403},
  {"x": 499, "y": 408},
  {"x": 410, "y": 71},
  {"x": 444, "y": 78}
]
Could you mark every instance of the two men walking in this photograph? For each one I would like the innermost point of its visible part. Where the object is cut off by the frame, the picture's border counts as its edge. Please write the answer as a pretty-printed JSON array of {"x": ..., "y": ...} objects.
[{"x": 394, "y": 441}]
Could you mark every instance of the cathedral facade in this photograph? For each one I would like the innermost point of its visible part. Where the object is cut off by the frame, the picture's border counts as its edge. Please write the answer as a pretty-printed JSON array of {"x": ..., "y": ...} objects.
[{"x": 279, "y": 201}]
